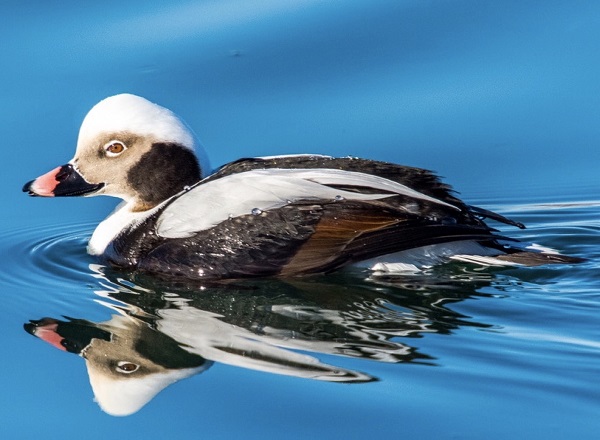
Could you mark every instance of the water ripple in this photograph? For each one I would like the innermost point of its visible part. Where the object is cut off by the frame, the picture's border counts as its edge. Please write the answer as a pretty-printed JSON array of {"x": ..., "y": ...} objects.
[{"x": 54, "y": 254}]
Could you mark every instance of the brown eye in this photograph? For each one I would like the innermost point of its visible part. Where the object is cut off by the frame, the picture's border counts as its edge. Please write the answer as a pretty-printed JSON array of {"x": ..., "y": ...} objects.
[
  {"x": 114, "y": 148},
  {"x": 126, "y": 367}
]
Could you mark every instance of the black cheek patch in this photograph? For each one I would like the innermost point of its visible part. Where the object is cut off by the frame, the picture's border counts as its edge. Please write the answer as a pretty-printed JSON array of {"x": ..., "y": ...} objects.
[{"x": 163, "y": 171}]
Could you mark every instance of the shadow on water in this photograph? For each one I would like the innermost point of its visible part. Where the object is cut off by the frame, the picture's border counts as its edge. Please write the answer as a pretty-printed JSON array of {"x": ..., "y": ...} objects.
[{"x": 159, "y": 334}]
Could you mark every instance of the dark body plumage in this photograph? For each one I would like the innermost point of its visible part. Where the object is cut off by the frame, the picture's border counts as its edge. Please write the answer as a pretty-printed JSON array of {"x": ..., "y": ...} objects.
[
  {"x": 311, "y": 236},
  {"x": 270, "y": 216}
]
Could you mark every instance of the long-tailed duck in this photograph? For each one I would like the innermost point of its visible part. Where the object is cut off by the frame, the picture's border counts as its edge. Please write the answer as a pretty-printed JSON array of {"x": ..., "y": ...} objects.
[{"x": 267, "y": 216}]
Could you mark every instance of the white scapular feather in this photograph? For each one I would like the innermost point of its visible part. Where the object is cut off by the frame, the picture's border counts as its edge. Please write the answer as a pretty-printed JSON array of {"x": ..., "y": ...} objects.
[{"x": 211, "y": 203}]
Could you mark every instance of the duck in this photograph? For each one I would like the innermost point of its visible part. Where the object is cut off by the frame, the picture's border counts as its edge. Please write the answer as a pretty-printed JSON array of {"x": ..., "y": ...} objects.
[{"x": 272, "y": 216}]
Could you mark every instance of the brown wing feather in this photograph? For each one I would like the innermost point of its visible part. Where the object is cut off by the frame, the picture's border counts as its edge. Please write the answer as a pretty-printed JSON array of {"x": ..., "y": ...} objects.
[
  {"x": 358, "y": 231},
  {"x": 332, "y": 235}
]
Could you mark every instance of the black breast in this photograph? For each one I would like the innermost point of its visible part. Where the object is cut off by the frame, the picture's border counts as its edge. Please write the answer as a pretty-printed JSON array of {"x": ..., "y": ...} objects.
[{"x": 249, "y": 245}]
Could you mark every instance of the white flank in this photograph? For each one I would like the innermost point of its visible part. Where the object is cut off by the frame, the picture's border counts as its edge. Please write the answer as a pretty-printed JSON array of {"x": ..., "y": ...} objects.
[
  {"x": 394, "y": 268},
  {"x": 484, "y": 261},
  {"x": 424, "y": 257}
]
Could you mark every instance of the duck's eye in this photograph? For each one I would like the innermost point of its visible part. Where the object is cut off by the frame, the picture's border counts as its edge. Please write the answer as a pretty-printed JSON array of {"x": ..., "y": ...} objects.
[
  {"x": 114, "y": 148},
  {"x": 127, "y": 367}
]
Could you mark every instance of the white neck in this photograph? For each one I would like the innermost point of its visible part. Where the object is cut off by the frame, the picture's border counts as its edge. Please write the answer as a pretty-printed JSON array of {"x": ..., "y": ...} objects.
[{"x": 109, "y": 228}]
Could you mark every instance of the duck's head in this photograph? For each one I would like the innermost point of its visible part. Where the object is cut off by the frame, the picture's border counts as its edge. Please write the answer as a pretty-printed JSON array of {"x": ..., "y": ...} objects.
[{"x": 131, "y": 148}]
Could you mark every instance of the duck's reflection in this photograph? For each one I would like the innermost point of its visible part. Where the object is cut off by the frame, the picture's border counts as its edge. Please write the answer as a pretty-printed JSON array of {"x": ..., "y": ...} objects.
[{"x": 158, "y": 335}]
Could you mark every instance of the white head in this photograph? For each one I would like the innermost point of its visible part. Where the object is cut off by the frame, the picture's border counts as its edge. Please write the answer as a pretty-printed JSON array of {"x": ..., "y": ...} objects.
[
  {"x": 126, "y": 113},
  {"x": 131, "y": 148}
]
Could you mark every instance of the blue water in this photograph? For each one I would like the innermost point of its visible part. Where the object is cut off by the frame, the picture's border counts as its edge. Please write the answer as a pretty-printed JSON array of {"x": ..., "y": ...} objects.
[{"x": 501, "y": 98}]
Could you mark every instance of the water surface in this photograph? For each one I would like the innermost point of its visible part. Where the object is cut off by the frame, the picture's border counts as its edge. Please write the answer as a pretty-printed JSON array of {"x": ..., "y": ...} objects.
[{"x": 500, "y": 98}]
